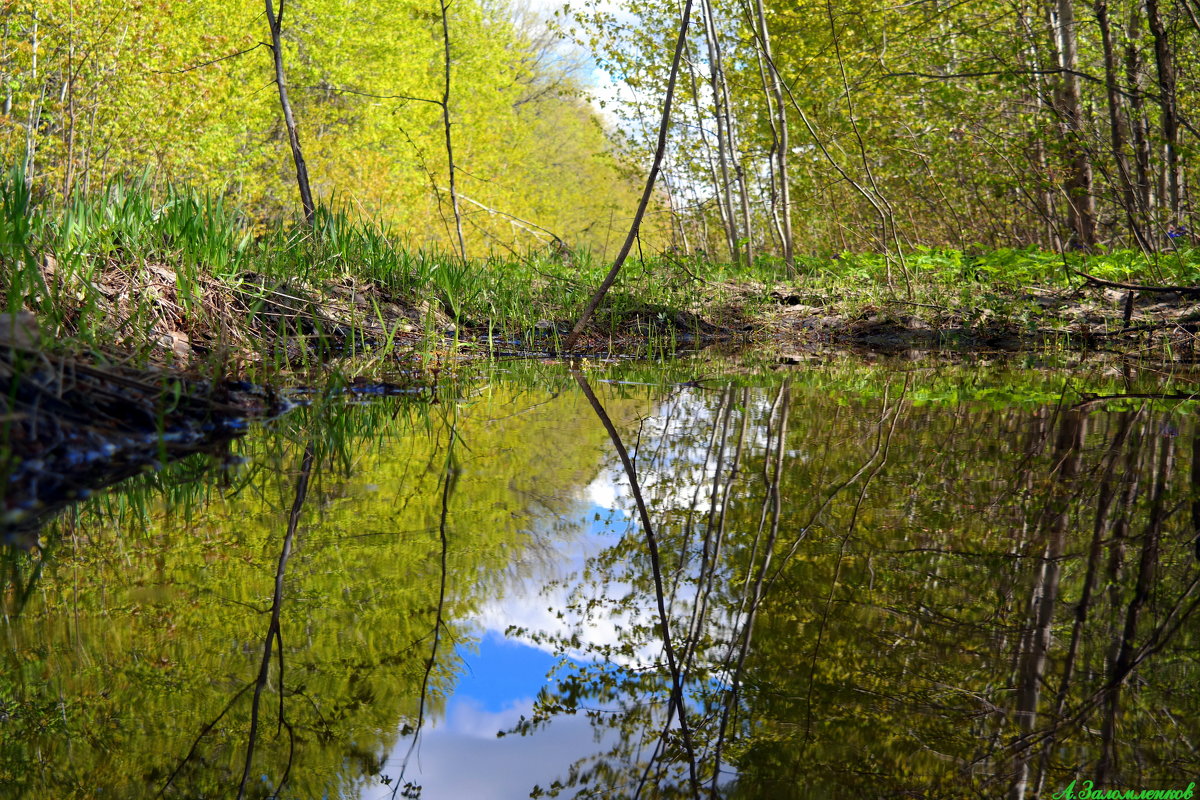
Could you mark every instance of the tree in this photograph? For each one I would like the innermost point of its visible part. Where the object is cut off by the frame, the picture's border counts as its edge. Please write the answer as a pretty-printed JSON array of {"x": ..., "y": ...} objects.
[{"x": 275, "y": 21}]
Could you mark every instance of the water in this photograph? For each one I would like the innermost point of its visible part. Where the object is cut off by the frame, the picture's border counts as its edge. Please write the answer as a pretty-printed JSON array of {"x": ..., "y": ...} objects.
[{"x": 896, "y": 580}]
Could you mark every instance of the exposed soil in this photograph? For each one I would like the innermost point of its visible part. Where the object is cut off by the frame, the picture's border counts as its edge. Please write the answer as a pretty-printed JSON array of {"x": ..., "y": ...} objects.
[{"x": 1156, "y": 325}]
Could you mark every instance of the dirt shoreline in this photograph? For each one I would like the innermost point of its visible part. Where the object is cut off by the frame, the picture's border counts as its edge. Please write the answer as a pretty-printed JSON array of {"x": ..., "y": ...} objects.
[{"x": 1159, "y": 326}]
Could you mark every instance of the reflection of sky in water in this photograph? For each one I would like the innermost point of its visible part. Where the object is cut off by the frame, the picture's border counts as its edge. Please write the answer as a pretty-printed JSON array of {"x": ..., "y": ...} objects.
[
  {"x": 459, "y": 754},
  {"x": 460, "y": 757}
]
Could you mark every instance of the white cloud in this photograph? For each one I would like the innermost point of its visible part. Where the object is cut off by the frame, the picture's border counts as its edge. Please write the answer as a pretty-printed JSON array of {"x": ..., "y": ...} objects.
[{"x": 461, "y": 757}]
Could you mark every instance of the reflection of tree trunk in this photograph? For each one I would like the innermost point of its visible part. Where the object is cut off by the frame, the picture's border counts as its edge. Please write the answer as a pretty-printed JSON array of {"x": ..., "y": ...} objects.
[
  {"x": 1043, "y": 596},
  {"x": 752, "y": 597},
  {"x": 714, "y": 528},
  {"x": 1135, "y": 465},
  {"x": 1196, "y": 492},
  {"x": 1123, "y": 663},
  {"x": 882, "y": 447},
  {"x": 1105, "y": 500},
  {"x": 676, "y": 704},
  {"x": 273, "y": 632},
  {"x": 449, "y": 483}
]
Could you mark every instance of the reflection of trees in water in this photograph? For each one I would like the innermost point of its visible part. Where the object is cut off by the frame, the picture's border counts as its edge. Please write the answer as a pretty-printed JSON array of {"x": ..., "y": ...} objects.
[
  {"x": 1109, "y": 693},
  {"x": 909, "y": 601},
  {"x": 133, "y": 663}
]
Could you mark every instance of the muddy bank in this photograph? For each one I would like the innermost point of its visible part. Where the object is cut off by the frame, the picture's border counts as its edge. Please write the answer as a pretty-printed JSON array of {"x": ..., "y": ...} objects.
[
  {"x": 78, "y": 421},
  {"x": 73, "y": 425},
  {"x": 1153, "y": 325}
]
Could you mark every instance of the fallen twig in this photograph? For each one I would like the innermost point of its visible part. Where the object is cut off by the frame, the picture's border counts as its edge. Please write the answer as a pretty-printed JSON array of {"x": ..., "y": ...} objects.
[{"x": 1193, "y": 291}]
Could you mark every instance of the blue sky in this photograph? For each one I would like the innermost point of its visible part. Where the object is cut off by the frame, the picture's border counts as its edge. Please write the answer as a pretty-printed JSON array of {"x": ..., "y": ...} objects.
[{"x": 502, "y": 673}]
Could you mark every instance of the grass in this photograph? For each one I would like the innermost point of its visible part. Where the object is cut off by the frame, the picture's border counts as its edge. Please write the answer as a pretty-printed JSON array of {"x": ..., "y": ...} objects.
[
  {"x": 146, "y": 274},
  {"x": 1042, "y": 298},
  {"x": 181, "y": 276}
]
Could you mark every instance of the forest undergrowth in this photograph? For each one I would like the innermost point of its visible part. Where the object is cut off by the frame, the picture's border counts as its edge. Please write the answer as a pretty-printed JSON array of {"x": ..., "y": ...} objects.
[{"x": 182, "y": 280}]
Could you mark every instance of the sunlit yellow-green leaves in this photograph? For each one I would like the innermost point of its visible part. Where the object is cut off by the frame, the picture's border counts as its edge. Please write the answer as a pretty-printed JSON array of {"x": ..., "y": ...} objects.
[{"x": 185, "y": 92}]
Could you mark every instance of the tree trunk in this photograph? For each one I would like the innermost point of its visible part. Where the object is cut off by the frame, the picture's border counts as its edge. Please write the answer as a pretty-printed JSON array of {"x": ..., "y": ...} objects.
[
  {"x": 1139, "y": 128},
  {"x": 1170, "y": 110},
  {"x": 745, "y": 194},
  {"x": 276, "y": 24},
  {"x": 730, "y": 235},
  {"x": 1043, "y": 199},
  {"x": 663, "y": 125},
  {"x": 462, "y": 249},
  {"x": 724, "y": 145},
  {"x": 35, "y": 108},
  {"x": 779, "y": 132},
  {"x": 1081, "y": 204},
  {"x": 1115, "y": 125},
  {"x": 71, "y": 110}
]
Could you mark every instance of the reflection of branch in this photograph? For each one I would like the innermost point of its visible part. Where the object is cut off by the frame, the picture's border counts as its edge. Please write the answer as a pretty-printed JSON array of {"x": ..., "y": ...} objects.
[
  {"x": 771, "y": 500},
  {"x": 273, "y": 631},
  {"x": 22, "y": 589},
  {"x": 886, "y": 441},
  {"x": 1156, "y": 642},
  {"x": 812, "y": 520},
  {"x": 714, "y": 528},
  {"x": 203, "y": 732},
  {"x": 676, "y": 703},
  {"x": 1127, "y": 657},
  {"x": 448, "y": 483}
]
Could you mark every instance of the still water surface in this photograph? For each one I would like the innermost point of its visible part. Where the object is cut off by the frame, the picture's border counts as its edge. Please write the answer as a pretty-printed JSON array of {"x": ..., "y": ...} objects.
[{"x": 906, "y": 580}]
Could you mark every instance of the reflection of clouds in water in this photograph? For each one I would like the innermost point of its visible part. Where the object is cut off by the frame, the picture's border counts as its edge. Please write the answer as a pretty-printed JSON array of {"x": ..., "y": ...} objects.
[
  {"x": 555, "y": 574},
  {"x": 539, "y": 600},
  {"x": 677, "y": 471},
  {"x": 684, "y": 454},
  {"x": 460, "y": 756},
  {"x": 603, "y": 493},
  {"x": 672, "y": 454}
]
